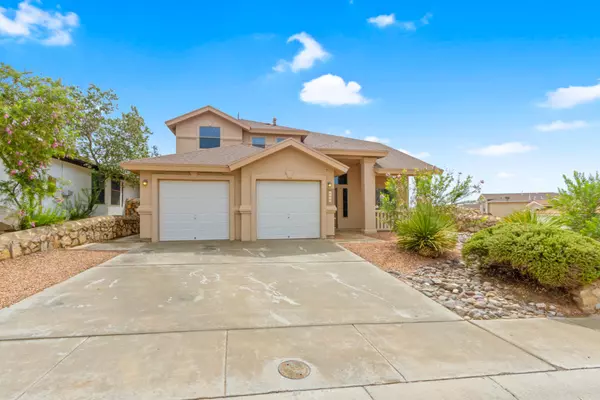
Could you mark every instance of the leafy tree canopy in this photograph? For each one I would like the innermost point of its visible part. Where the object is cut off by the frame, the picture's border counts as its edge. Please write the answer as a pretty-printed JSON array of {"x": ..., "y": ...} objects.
[
  {"x": 38, "y": 121},
  {"x": 108, "y": 140}
]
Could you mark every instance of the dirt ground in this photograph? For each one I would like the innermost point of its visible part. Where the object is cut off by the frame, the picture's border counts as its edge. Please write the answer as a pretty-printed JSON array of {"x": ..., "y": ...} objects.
[{"x": 24, "y": 276}]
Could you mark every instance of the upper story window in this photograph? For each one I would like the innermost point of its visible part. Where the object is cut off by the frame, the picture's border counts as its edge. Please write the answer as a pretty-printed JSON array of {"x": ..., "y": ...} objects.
[
  {"x": 279, "y": 139},
  {"x": 259, "y": 142},
  {"x": 210, "y": 137}
]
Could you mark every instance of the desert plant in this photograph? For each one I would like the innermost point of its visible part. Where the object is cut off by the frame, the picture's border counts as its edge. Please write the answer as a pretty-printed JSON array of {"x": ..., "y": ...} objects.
[
  {"x": 33, "y": 214},
  {"x": 82, "y": 205},
  {"x": 579, "y": 203},
  {"x": 552, "y": 256},
  {"x": 527, "y": 216},
  {"x": 443, "y": 188},
  {"x": 393, "y": 200},
  {"x": 427, "y": 230}
]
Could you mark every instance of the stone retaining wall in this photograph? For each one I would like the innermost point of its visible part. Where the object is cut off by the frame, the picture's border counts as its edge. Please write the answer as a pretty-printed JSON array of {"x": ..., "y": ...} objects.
[
  {"x": 68, "y": 234},
  {"x": 131, "y": 208},
  {"x": 588, "y": 297}
]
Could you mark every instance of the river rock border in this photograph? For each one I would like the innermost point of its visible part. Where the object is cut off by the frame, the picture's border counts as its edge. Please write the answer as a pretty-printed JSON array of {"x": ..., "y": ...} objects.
[{"x": 68, "y": 234}]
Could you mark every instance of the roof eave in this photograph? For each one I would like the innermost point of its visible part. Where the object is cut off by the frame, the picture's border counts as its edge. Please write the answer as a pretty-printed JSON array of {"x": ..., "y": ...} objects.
[
  {"x": 336, "y": 165},
  {"x": 345, "y": 152},
  {"x": 132, "y": 166}
]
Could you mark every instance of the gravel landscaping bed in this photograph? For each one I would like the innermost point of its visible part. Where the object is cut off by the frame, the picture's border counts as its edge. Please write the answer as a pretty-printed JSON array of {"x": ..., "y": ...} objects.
[
  {"x": 24, "y": 276},
  {"x": 466, "y": 291}
]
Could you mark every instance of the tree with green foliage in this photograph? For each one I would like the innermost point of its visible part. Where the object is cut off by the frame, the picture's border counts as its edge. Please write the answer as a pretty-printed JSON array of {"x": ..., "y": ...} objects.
[
  {"x": 38, "y": 121},
  {"x": 443, "y": 188},
  {"x": 394, "y": 199},
  {"x": 106, "y": 140},
  {"x": 579, "y": 203}
]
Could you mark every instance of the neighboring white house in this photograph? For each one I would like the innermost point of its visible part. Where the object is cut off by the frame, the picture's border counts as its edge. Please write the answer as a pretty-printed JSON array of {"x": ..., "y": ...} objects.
[{"x": 72, "y": 177}]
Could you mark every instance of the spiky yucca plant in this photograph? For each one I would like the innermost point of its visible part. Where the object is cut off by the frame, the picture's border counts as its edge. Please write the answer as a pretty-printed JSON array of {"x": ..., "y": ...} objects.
[
  {"x": 427, "y": 231},
  {"x": 527, "y": 216}
]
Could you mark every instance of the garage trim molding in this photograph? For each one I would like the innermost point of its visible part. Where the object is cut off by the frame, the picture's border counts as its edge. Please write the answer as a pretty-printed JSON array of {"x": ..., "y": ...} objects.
[
  {"x": 156, "y": 178},
  {"x": 283, "y": 177}
]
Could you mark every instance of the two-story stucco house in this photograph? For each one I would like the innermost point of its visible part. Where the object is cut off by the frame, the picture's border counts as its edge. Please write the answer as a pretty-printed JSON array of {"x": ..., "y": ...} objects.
[{"x": 244, "y": 180}]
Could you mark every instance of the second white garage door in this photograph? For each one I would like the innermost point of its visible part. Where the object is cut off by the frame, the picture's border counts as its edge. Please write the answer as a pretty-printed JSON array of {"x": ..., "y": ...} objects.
[
  {"x": 288, "y": 210},
  {"x": 194, "y": 210}
]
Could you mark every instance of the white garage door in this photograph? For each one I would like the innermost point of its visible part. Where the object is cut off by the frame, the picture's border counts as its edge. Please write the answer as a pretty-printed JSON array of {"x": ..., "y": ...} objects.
[
  {"x": 288, "y": 210},
  {"x": 194, "y": 210}
]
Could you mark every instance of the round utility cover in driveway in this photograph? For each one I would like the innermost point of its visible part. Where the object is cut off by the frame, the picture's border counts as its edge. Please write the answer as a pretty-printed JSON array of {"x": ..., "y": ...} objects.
[{"x": 294, "y": 369}]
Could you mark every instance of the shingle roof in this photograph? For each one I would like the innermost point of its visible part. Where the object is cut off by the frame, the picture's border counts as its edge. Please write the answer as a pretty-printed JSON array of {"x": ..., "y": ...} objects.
[
  {"x": 518, "y": 197},
  {"x": 263, "y": 126},
  {"x": 394, "y": 160},
  {"x": 325, "y": 141},
  {"x": 216, "y": 156}
]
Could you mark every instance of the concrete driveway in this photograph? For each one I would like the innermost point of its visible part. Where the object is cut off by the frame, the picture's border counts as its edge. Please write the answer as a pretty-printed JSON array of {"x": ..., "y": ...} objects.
[{"x": 207, "y": 320}]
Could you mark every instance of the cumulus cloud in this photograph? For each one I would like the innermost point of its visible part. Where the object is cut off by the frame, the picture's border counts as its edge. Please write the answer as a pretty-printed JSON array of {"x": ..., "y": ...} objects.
[
  {"x": 504, "y": 175},
  {"x": 347, "y": 132},
  {"x": 311, "y": 52},
  {"x": 569, "y": 97},
  {"x": 383, "y": 20},
  {"x": 386, "y": 20},
  {"x": 377, "y": 139},
  {"x": 561, "y": 126},
  {"x": 502, "y": 149},
  {"x": 51, "y": 28},
  {"x": 422, "y": 154},
  {"x": 331, "y": 90}
]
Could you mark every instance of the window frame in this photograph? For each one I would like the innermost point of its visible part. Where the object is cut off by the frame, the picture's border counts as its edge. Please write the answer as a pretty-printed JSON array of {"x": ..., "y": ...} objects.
[
  {"x": 337, "y": 179},
  {"x": 210, "y": 138},
  {"x": 114, "y": 191},
  {"x": 264, "y": 144},
  {"x": 100, "y": 184}
]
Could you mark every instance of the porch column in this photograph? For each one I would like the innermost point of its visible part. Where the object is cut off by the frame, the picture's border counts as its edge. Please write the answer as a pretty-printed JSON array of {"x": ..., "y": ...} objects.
[{"x": 367, "y": 173}]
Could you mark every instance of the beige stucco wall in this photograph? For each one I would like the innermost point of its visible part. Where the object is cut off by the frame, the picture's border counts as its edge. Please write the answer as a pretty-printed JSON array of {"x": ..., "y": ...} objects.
[
  {"x": 355, "y": 219},
  {"x": 504, "y": 209},
  {"x": 287, "y": 164},
  {"x": 187, "y": 132}
]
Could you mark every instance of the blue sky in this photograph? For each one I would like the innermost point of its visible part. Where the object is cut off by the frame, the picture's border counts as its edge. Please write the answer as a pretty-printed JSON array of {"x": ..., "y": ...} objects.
[{"x": 505, "y": 91}]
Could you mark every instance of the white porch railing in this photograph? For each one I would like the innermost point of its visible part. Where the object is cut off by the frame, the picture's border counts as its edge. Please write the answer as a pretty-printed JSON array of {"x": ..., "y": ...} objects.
[{"x": 381, "y": 221}]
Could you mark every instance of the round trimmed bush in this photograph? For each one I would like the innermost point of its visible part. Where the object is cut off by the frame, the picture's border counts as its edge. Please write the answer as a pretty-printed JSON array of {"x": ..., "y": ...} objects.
[{"x": 553, "y": 256}]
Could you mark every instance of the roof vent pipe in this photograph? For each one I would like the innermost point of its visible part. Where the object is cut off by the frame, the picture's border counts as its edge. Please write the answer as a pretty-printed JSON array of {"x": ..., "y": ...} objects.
[{"x": 274, "y": 121}]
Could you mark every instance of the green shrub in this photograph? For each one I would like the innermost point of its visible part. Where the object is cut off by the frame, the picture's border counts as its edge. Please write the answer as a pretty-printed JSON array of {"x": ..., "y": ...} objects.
[
  {"x": 82, "y": 205},
  {"x": 527, "y": 216},
  {"x": 32, "y": 216},
  {"x": 427, "y": 230},
  {"x": 552, "y": 256}
]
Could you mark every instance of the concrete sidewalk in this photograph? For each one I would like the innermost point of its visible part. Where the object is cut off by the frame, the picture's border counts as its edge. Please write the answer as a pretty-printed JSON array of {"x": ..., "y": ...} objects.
[{"x": 186, "y": 321}]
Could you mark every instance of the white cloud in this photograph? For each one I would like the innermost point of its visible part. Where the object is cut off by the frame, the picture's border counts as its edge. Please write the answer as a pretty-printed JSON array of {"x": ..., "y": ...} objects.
[
  {"x": 561, "y": 126},
  {"x": 505, "y": 175},
  {"x": 422, "y": 154},
  {"x": 383, "y": 20},
  {"x": 51, "y": 28},
  {"x": 347, "y": 132},
  {"x": 503, "y": 149},
  {"x": 312, "y": 51},
  {"x": 331, "y": 90},
  {"x": 377, "y": 139},
  {"x": 569, "y": 97}
]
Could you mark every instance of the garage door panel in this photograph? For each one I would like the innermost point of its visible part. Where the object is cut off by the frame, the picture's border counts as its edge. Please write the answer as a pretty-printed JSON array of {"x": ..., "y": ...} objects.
[
  {"x": 288, "y": 210},
  {"x": 194, "y": 210}
]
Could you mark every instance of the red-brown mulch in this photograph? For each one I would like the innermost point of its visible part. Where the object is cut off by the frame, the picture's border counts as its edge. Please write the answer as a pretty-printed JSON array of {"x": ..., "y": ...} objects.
[{"x": 27, "y": 275}]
